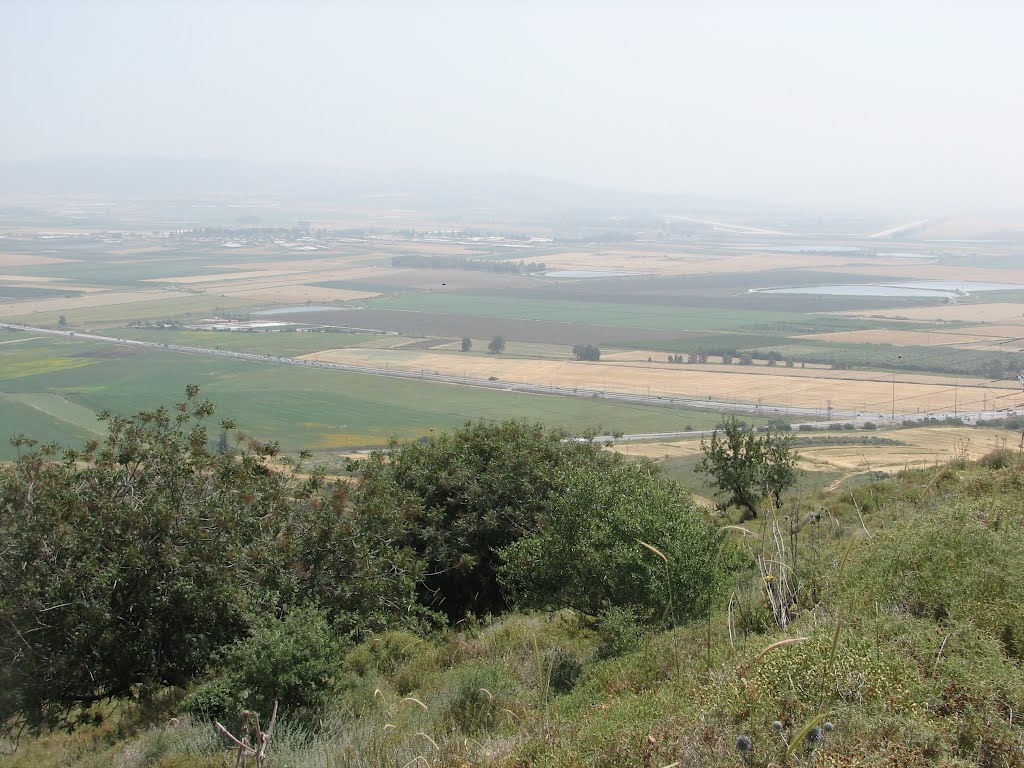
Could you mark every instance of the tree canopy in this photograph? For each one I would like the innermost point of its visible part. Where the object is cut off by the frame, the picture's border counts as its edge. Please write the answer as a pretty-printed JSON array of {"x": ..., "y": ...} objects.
[
  {"x": 617, "y": 536},
  {"x": 472, "y": 492},
  {"x": 586, "y": 352},
  {"x": 747, "y": 466},
  {"x": 128, "y": 563},
  {"x": 140, "y": 560}
]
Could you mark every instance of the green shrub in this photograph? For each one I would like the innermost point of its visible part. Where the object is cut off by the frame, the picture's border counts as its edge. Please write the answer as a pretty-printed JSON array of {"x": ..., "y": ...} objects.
[
  {"x": 618, "y": 632},
  {"x": 564, "y": 670},
  {"x": 591, "y": 550},
  {"x": 215, "y": 699},
  {"x": 158, "y": 549},
  {"x": 1000, "y": 458},
  {"x": 295, "y": 660},
  {"x": 480, "y": 698},
  {"x": 949, "y": 567},
  {"x": 465, "y": 495}
]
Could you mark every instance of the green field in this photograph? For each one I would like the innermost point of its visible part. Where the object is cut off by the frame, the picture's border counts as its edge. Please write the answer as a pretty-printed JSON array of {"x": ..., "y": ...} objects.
[
  {"x": 58, "y": 408},
  {"x": 31, "y": 357},
  {"x": 623, "y": 315},
  {"x": 19, "y": 292},
  {"x": 17, "y": 419},
  {"x": 281, "y": 344},
  {"x": 301, "y": 408}
]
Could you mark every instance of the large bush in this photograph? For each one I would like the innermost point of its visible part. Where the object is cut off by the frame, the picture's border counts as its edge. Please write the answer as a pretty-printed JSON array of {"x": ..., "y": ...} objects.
[
  {"x": 589, "y": 552},
  {"x": 464, "y": 496},
  {"x": 295, "y": 661},
  {"x": 128, "y": 564}
]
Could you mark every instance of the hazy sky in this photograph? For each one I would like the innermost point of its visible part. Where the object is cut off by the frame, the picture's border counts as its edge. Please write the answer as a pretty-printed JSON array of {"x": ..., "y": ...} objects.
[{"x": 915, "y": 105}]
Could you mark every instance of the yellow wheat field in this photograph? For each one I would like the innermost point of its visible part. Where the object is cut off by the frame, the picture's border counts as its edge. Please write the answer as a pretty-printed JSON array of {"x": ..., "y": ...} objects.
[
  {"x": 858, "y": 391},
  {"x": 289, "y": 294},
  {"x": 96, "y": 299},
  {"x": 28, "y": 260},
  {"x": 997, "y": 312},
  {"x": 924, "y": 446}
]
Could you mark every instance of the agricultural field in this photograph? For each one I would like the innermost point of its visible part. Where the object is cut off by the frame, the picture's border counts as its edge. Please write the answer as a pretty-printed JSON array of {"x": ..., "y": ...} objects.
[
  {"x": 281, "y": 344},
  {"x": 757, "y": 385},
  {"x": 852, "y": 452},
  {"x": 49, "y": 386},
  {"x": 832, "y": 459},
  {"x": 699, "y": 293}
]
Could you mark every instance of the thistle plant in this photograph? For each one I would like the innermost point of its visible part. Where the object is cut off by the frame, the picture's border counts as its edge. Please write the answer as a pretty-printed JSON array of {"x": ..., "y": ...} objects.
[
  {"x": 745, "y": 746},
  {"x": 812, "y": 740}
]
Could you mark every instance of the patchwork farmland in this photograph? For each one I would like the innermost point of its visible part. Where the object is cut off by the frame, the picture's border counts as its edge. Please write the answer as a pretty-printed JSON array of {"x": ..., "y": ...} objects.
[{"x": 678, "y": 319}]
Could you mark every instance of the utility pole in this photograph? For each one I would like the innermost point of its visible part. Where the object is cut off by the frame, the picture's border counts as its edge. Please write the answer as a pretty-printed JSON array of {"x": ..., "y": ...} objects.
[{"x": 893, "y": 396}]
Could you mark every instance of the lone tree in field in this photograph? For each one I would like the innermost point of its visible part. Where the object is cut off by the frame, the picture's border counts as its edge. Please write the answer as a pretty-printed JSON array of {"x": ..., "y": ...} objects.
[
  {"x": 587, "y": 352},
  {"x": 467, "y": 343},
  {"x": 748, "y": 466},
  {"x": 496, "y": 345}
]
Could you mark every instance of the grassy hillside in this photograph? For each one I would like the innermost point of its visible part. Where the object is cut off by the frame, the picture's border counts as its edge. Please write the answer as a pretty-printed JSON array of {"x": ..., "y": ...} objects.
[{"x": 902, "y": 647}]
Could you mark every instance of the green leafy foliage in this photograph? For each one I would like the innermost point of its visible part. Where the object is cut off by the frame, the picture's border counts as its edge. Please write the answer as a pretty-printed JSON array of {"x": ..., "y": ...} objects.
[
  {"x": 618, "y": 632},
  {"x": 564, "y": 670},
  {"x": 128, "y": 564},
  {"x": 121, "y": 562},
  {"x": 617, "y": 535},
  {"x": 462, "y": 497},
  {"x": 294, "y": 660}
]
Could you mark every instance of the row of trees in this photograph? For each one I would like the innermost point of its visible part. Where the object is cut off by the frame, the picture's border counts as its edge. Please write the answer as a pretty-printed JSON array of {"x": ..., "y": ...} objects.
[
  {"x": 700, "y": 357},
  {"x": 497, "y": 345}
]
